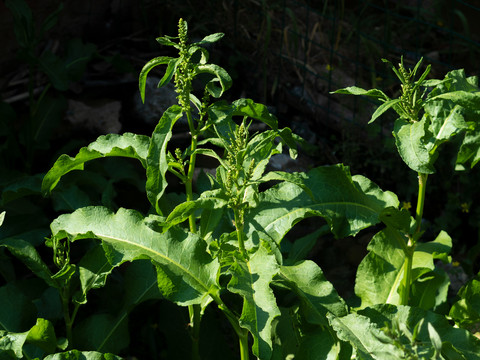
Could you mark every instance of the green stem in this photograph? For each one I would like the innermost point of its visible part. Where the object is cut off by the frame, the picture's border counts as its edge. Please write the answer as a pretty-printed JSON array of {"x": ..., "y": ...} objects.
[
  {"x": 422, "y": 185},
  {"x": 191, "y": 169},
  {"x": 410, "y": 250},
  {"x": 407, "y": 273},
  {"x": 195, "y": 317},
  {"x": 243, "y": 342},
  {"x": 241, "y": 332},
  {"x": 64, "y": 293},
  {"x": 194, "y": 310},
  {"x": 239, "y": 231}
]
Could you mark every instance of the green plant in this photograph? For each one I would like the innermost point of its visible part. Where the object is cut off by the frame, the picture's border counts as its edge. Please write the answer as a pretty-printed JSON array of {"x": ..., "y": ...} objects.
[{"x": 220, "y": 245}]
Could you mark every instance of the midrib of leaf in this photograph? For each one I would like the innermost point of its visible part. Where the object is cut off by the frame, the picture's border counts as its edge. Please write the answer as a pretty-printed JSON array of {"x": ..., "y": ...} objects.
[
  {"x": 124, "y": 314},
  {"x": 394, "y": 287},
  {"x": 158, "y": 254},
  {"x": 94, "y": 278}
]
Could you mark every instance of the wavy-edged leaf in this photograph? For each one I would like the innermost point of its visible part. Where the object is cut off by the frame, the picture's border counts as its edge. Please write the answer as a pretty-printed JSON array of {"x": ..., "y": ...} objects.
[
  {"x": 409, "y": 138},
  {"x": 251, "y": 279},
  {"x": 379, "y": 275},
  {"x": 349, "y": 204},
  {"x": 317, "y": 295},
  {"x": 142, "y": 78},
  {"x": 220, "y": 76},
  {"x": 186, "y": 272},
  {"x": 157, "y": 164},
  {"x": 126, "y": 145}
]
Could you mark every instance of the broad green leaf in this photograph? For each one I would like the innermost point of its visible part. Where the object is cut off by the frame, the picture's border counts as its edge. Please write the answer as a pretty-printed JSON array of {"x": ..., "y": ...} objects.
[
  {"x": 157, "y": 164},
  {"x": 220, "y": 76},
  {"x": 466, "y": 310},
  {"x": 11, "y": 344},
  {"x": 354, "y": 90},
  {"x": 142, "y": 78},
  {"x": 347, "y": 203},
  {"x": 42, "y": 335},
  {"x": 186, "y": 272},
  {"x": 369, "y": 341},
  {"x": 430, "y": 290},
  {"x": 102, "y": 332},
  {"x": 379, "y": 275},
  {"x": 427, "y": 252},
  {"x": 126, "y": 145},
  {"x": 27, "y": 253},
  {"x": 93, "y": 268},
  {"x": 445, "y": 122},
  {"x": 251, "y": 279},
  {"x": 412, "y": 146},
  {"x": 82, "y": 355},
  {"x": 453, "y": 338},
  {"x": 317, "y": 295}
]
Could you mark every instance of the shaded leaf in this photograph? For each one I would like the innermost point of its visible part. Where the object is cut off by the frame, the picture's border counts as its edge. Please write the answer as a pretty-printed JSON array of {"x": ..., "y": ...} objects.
[
  {"x": 82, "y": 355},
  {"x": 317, "y": 295}
]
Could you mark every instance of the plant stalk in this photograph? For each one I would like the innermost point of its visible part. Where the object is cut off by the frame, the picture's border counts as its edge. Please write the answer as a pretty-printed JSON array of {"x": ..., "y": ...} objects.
[
  {"x": 193, "y": 310},
  {"x": 239, "y": 231},
  {"x": 64, "y": 293},
  {"x": 407, "y": 272},
  {"x": 422, "y": 184}
]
